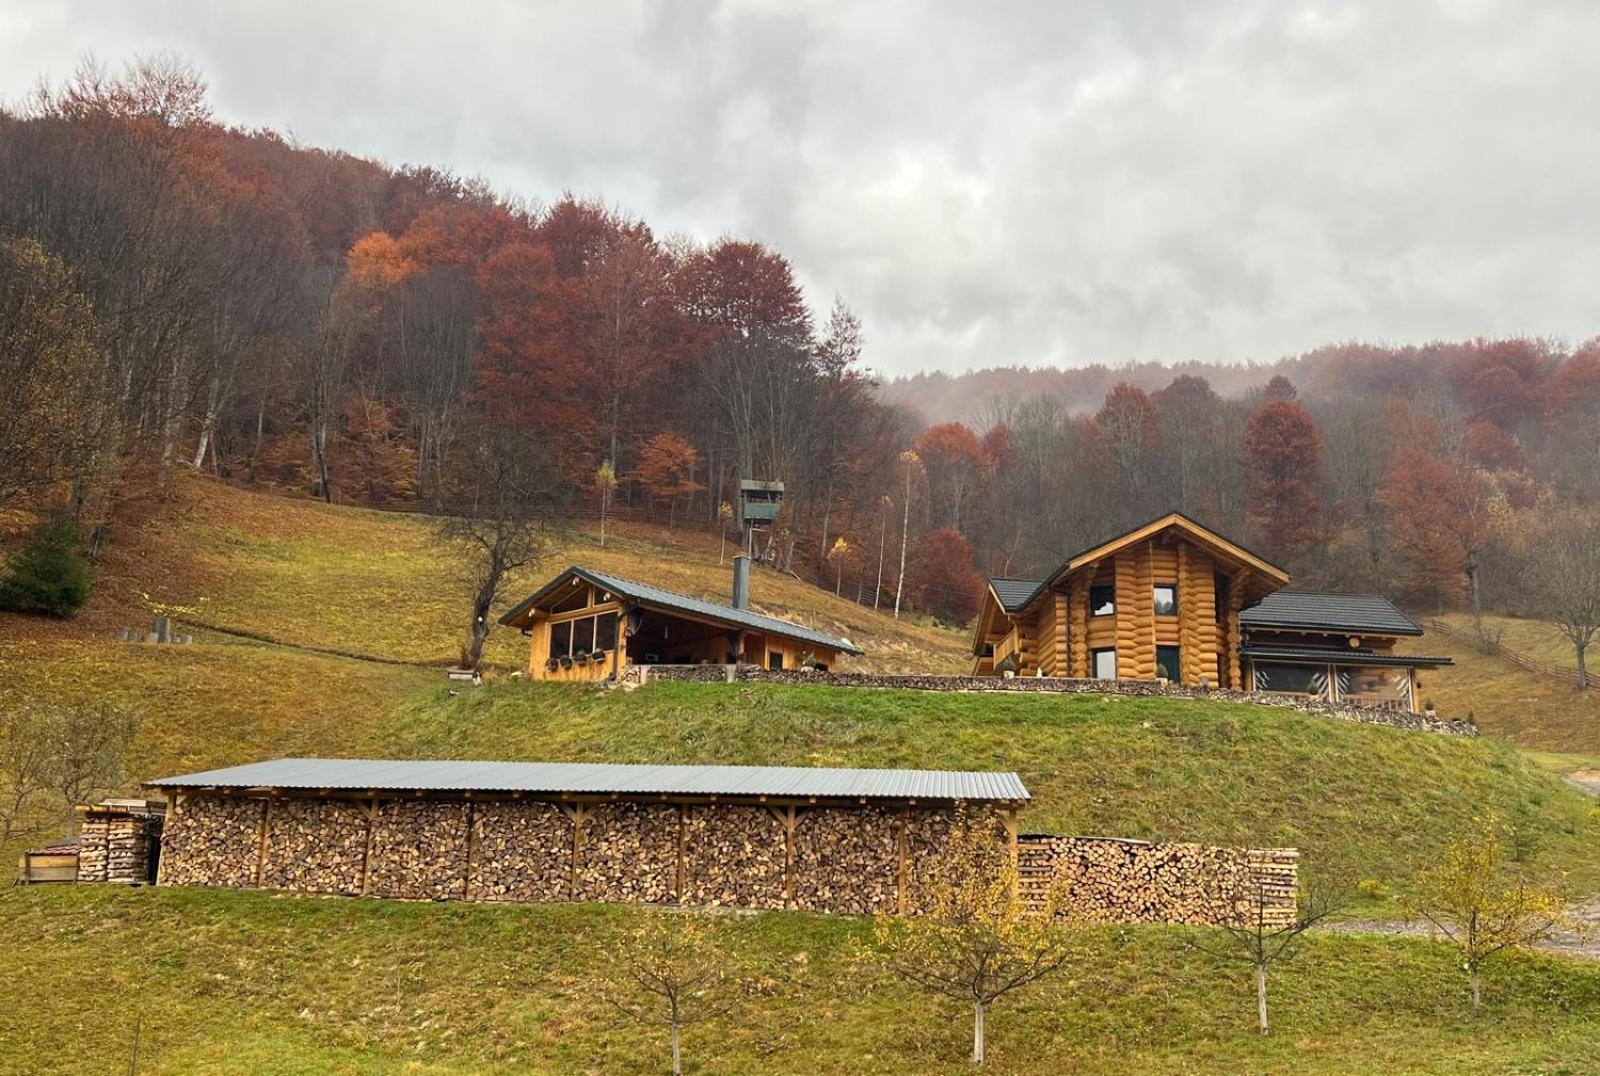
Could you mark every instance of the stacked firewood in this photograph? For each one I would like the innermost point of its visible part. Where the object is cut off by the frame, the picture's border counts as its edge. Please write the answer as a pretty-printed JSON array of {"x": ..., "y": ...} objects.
[
  {"x": 628, "y": 853},
  {"x": 521, "y": 851},
  {"x": 734, "y": 856},
  {"x": 419, "y": 850},
  {"x": 847, "y": 861},
  {"x": 212, "y": 840},
  {"x": 314, "y": 846},
  {"x": 1113, "y": 881},
  {"x": 115, "y": 844}
]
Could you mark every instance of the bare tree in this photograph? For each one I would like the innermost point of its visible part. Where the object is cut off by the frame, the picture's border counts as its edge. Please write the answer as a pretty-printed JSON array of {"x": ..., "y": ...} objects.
[
  {"x": 53, "y": 757},
  {"x": 674, "y": 972},
  {"x": 502, "y": 513},
  {"x": 977, "y": 941},
  {"x": 909, "y": 461},
  {"x": 1564, "y": 570},
  {"x": 1252, "y": 929}
]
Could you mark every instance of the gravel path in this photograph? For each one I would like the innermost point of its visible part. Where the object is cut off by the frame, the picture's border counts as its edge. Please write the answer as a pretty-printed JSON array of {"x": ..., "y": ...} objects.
[{"x": 1584, "y": 943}]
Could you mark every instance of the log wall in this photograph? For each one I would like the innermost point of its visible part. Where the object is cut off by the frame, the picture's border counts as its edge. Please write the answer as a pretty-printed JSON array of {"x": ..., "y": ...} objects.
[{"x": 851, "y": 860}]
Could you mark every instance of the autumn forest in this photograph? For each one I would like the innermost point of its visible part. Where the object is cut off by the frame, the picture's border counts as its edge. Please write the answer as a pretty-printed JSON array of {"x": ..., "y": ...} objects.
[{"x": 177, "y": 293}]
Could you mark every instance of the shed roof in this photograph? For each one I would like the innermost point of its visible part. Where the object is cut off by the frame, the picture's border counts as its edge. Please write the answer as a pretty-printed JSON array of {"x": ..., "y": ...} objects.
[
  {"x": 1320, "y": 611},
  {"x": 683, "y": 603},
  {"x": 444, "y": 775}
]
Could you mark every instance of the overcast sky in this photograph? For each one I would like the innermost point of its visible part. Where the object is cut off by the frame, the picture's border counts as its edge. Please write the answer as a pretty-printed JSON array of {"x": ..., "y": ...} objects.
[{"x": 986, "y": 183}]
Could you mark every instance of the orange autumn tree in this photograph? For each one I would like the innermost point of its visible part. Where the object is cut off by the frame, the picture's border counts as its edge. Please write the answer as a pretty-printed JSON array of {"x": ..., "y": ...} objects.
[{"x": 666, "y": 469}]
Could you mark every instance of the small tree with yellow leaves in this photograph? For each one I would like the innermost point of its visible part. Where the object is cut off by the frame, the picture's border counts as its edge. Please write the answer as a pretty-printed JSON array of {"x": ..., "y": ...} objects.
[
  {"x": 605, "y": 482},
  {"x": 977, "y": 940},
  {"x": 1470, "y": 899},
  {"x": 724, "y": 516},
  {"x": 674, "y": 971}
]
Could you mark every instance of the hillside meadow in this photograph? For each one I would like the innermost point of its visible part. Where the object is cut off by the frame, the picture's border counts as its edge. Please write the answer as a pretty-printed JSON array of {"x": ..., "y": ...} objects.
[{"x": 251, "y": 983}]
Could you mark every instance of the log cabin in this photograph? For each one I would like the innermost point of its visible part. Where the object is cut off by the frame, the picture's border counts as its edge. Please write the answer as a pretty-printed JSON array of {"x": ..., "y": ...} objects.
[
  {"x": 587, "y": 625},
  {"x": 1175, "y": 600}
]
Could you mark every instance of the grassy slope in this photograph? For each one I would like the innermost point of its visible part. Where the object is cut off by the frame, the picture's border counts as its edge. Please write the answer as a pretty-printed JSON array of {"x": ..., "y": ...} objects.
[
  {"x": 381, "y": 584},
  {"x": 227, "y": 984}
]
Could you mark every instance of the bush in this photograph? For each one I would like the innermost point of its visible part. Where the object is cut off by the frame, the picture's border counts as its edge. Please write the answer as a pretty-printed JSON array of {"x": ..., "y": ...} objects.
[{"x": 50, "y": 576}]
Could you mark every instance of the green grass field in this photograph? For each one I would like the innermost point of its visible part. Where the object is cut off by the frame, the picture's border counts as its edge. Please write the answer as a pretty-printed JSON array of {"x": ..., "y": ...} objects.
[{"x": 237, "y": 983}]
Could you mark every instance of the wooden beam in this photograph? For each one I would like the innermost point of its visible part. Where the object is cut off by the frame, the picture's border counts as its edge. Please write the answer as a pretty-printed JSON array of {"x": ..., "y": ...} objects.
[
  {"x": 683, "y": 824},
  {"x": 466, "y": 871},
  {"x": 900, "y": 852},
  {"x": 261, "y": 840},
  {"x": 366, "y": 851}
]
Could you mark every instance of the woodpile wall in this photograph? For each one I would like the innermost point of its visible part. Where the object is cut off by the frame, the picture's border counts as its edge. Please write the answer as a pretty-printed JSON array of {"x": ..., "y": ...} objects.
[
  {"x": 845, "y": 859},
  {"x": 1104, "y": 880},
  {"x": 116, "y": 842}
]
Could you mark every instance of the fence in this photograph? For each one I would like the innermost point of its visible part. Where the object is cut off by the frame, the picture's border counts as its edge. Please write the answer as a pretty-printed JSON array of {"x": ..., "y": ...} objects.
[{"x": 1505, "y": 653}]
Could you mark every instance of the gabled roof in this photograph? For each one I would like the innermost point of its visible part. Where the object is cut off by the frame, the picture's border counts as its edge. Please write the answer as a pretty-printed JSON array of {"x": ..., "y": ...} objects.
[
  {"x": 1307, "y": 610},
  {"x": 1015, "y": 594},
  {"x": 584, "y": 778},
  {"x": 1335, "y": 655},
  {"x": 681, "y": 603}
]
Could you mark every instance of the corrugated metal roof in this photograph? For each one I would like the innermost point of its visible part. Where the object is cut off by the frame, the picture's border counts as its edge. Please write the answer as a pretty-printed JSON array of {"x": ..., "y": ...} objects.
[
  {"x": 1357, "y": 613},
  {"x": 441, "y": 775},
  {"x": 1015, "y": 594},
  {"x": 644, "y": 592},
  {"x": 1352, "y": 656}
]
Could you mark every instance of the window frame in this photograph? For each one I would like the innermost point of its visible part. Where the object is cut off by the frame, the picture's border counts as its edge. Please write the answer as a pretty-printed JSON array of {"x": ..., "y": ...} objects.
[
  {"x": 1094, "y": 662},
  {"x": 1155, "y": 602},
  {"x": 1175, "y": 671},
  {"x": 1110, "y": 588}
]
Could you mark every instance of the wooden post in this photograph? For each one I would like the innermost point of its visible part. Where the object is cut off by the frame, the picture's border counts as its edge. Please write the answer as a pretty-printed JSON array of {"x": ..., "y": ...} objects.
[
  {"x": 683, "y": 823},
  {"x": 1011, "y": 832},
  {"x": 786, "y": 818},
  {"x": 466, "y": 870},
  {"x": 261, "y": 840},
  {"x": 366, "y": 851},
  {"x": 174, "y": 806}
]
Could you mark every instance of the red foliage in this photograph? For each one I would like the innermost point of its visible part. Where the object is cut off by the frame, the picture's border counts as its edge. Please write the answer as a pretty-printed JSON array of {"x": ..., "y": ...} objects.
[
  {"x": 943, "y": 580},
  {"x": 1490, "y": 446},
  {"x": 1283, "y": 475},
  {"x": 1280, "y": 388},
  {"x": 1438, "y": 511}
]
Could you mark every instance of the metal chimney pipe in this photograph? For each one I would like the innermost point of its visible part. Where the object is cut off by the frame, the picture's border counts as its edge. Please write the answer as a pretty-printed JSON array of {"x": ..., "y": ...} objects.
[{"x": 741, "y": 581}]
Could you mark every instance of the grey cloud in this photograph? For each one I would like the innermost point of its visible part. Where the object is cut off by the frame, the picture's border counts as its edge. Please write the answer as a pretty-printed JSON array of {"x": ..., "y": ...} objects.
[{"x": 1004, "y": 183}]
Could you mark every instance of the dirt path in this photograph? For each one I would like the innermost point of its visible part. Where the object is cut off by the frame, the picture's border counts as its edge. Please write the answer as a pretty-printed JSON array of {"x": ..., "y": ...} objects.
[
  {"x": 1584, "y": 781},
  {"x": 1583, "y": 943}
]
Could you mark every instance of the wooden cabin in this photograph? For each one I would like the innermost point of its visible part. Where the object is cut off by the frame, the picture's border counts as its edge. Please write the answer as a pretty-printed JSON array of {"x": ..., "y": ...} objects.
[
  {"x": 586, "y": 625},
  {"x": 1175, "y": 600}
]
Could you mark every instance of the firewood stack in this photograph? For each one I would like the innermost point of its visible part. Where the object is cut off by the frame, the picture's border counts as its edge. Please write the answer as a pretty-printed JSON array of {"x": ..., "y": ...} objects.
[
  {"x": 733, "y": 856},
  {"x": 628, "y": 853},
  {"x": 521, "y": 852},
  {"x": 847, "y": 861},
  {"x": 212, "y": 841},
  {"x": 314, "y": 846},
  {"x": 1114, "y": 881},
  {"x": 116, "y": 840},
  {"x": 419, "y": 850}
]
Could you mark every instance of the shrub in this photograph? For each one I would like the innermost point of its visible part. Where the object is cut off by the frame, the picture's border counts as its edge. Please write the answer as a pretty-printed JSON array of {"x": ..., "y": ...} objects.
[{"x": 50, "y": 576}]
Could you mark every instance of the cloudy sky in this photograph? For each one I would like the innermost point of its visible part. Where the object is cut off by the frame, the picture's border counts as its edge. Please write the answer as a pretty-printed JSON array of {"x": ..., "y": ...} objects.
[{"x": 988, "y": 184}]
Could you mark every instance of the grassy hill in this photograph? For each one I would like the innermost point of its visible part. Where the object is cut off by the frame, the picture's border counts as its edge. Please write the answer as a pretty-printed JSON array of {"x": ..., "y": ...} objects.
[
  {"x": 243, "y": 983},
  {"x": 240, "y": 982}
]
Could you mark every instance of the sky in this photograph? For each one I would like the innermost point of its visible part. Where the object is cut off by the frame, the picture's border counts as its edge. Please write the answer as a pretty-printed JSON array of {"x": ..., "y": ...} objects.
[{"x": 986, "y": 184}]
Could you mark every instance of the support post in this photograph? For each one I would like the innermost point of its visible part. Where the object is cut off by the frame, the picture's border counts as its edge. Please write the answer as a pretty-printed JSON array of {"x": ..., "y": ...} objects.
[
  {"x": 261, "y": 840},
  {"x": 366, "y": 852},
  {"x": 900, "y": 853},
  {"x": 466, "y": 870}
]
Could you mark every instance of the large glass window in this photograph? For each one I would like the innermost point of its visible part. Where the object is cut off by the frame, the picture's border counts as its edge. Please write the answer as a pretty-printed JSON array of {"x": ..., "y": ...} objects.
[
  {"x": 1166, "y": 599},
  {"x": 1291, "y": 679},
  {"x": 775, "y": 659},
  {"x": 1167, "y": 666},
  {"x": 605, "y": 631},
  {"x": 1105, "y": 664},
  {"x": 1378, "y": 683},
  {"x": 1102, "y": 600},
  {"x": 561, "y": 639},
  {"x": 583, "y": 635}
]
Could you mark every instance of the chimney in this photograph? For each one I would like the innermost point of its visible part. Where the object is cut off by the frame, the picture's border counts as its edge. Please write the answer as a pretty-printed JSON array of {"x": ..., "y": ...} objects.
[{"x": 741, "y": 581}]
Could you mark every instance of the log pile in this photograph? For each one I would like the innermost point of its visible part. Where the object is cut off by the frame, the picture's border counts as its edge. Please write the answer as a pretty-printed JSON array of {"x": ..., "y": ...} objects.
[
  {"x": 314, "y": 846},
  {"x": 628, "y": 853},
  {"x": 847, "y": 861},
  {"x": 733, "y": 856},
  {"x": 212, "y": 840},
  {"x": 1111, "y": 881},
  {"x": 521, "y": 852},
  {"x": 116, "y": 841},
  {"x": 419, "y": 850}
]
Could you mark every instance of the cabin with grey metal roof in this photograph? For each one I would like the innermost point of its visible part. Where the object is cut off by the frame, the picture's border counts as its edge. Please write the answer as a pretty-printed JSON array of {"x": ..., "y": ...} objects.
[
  {"x": 816, "y": 838},
  {"x": 588, "y": 625}
]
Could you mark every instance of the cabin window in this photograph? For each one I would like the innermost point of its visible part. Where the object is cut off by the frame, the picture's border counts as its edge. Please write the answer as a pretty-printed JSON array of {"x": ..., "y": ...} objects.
[
  {"x": 1291, "y": 679},
  {"x": 1167, "y": 663},
  {"x": 605, "y": 631},
  {"x": 1377, "y": 683},
  {"x": 583, "y": 635},
  {"x": 988, "y": 650},
  {"x": 561, "y": 639},
  {"x": 1105, "y": 664},
  {"x": 775, "y": 659},
  {"x": 576, "y": 597},
  {"x": 1102, "y": 600},
  {"x": 1166, "y": 599}
]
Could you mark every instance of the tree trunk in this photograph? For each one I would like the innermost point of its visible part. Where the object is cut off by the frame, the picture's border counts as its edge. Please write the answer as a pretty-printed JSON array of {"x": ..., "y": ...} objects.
[
  {"x": 1477, "y": 991},
  {"x": 677, "y": 1051},
  {"x": 1261, "y": 997},
  {"x": 883, "y": 537},
  {"x": 319, "y": 448},
  {"x": 977, "y": 1033},
  {"x": 1583, "y": 668},
  {"x": 481, "y": 603},
  {"x": 905, "y": 537}
]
